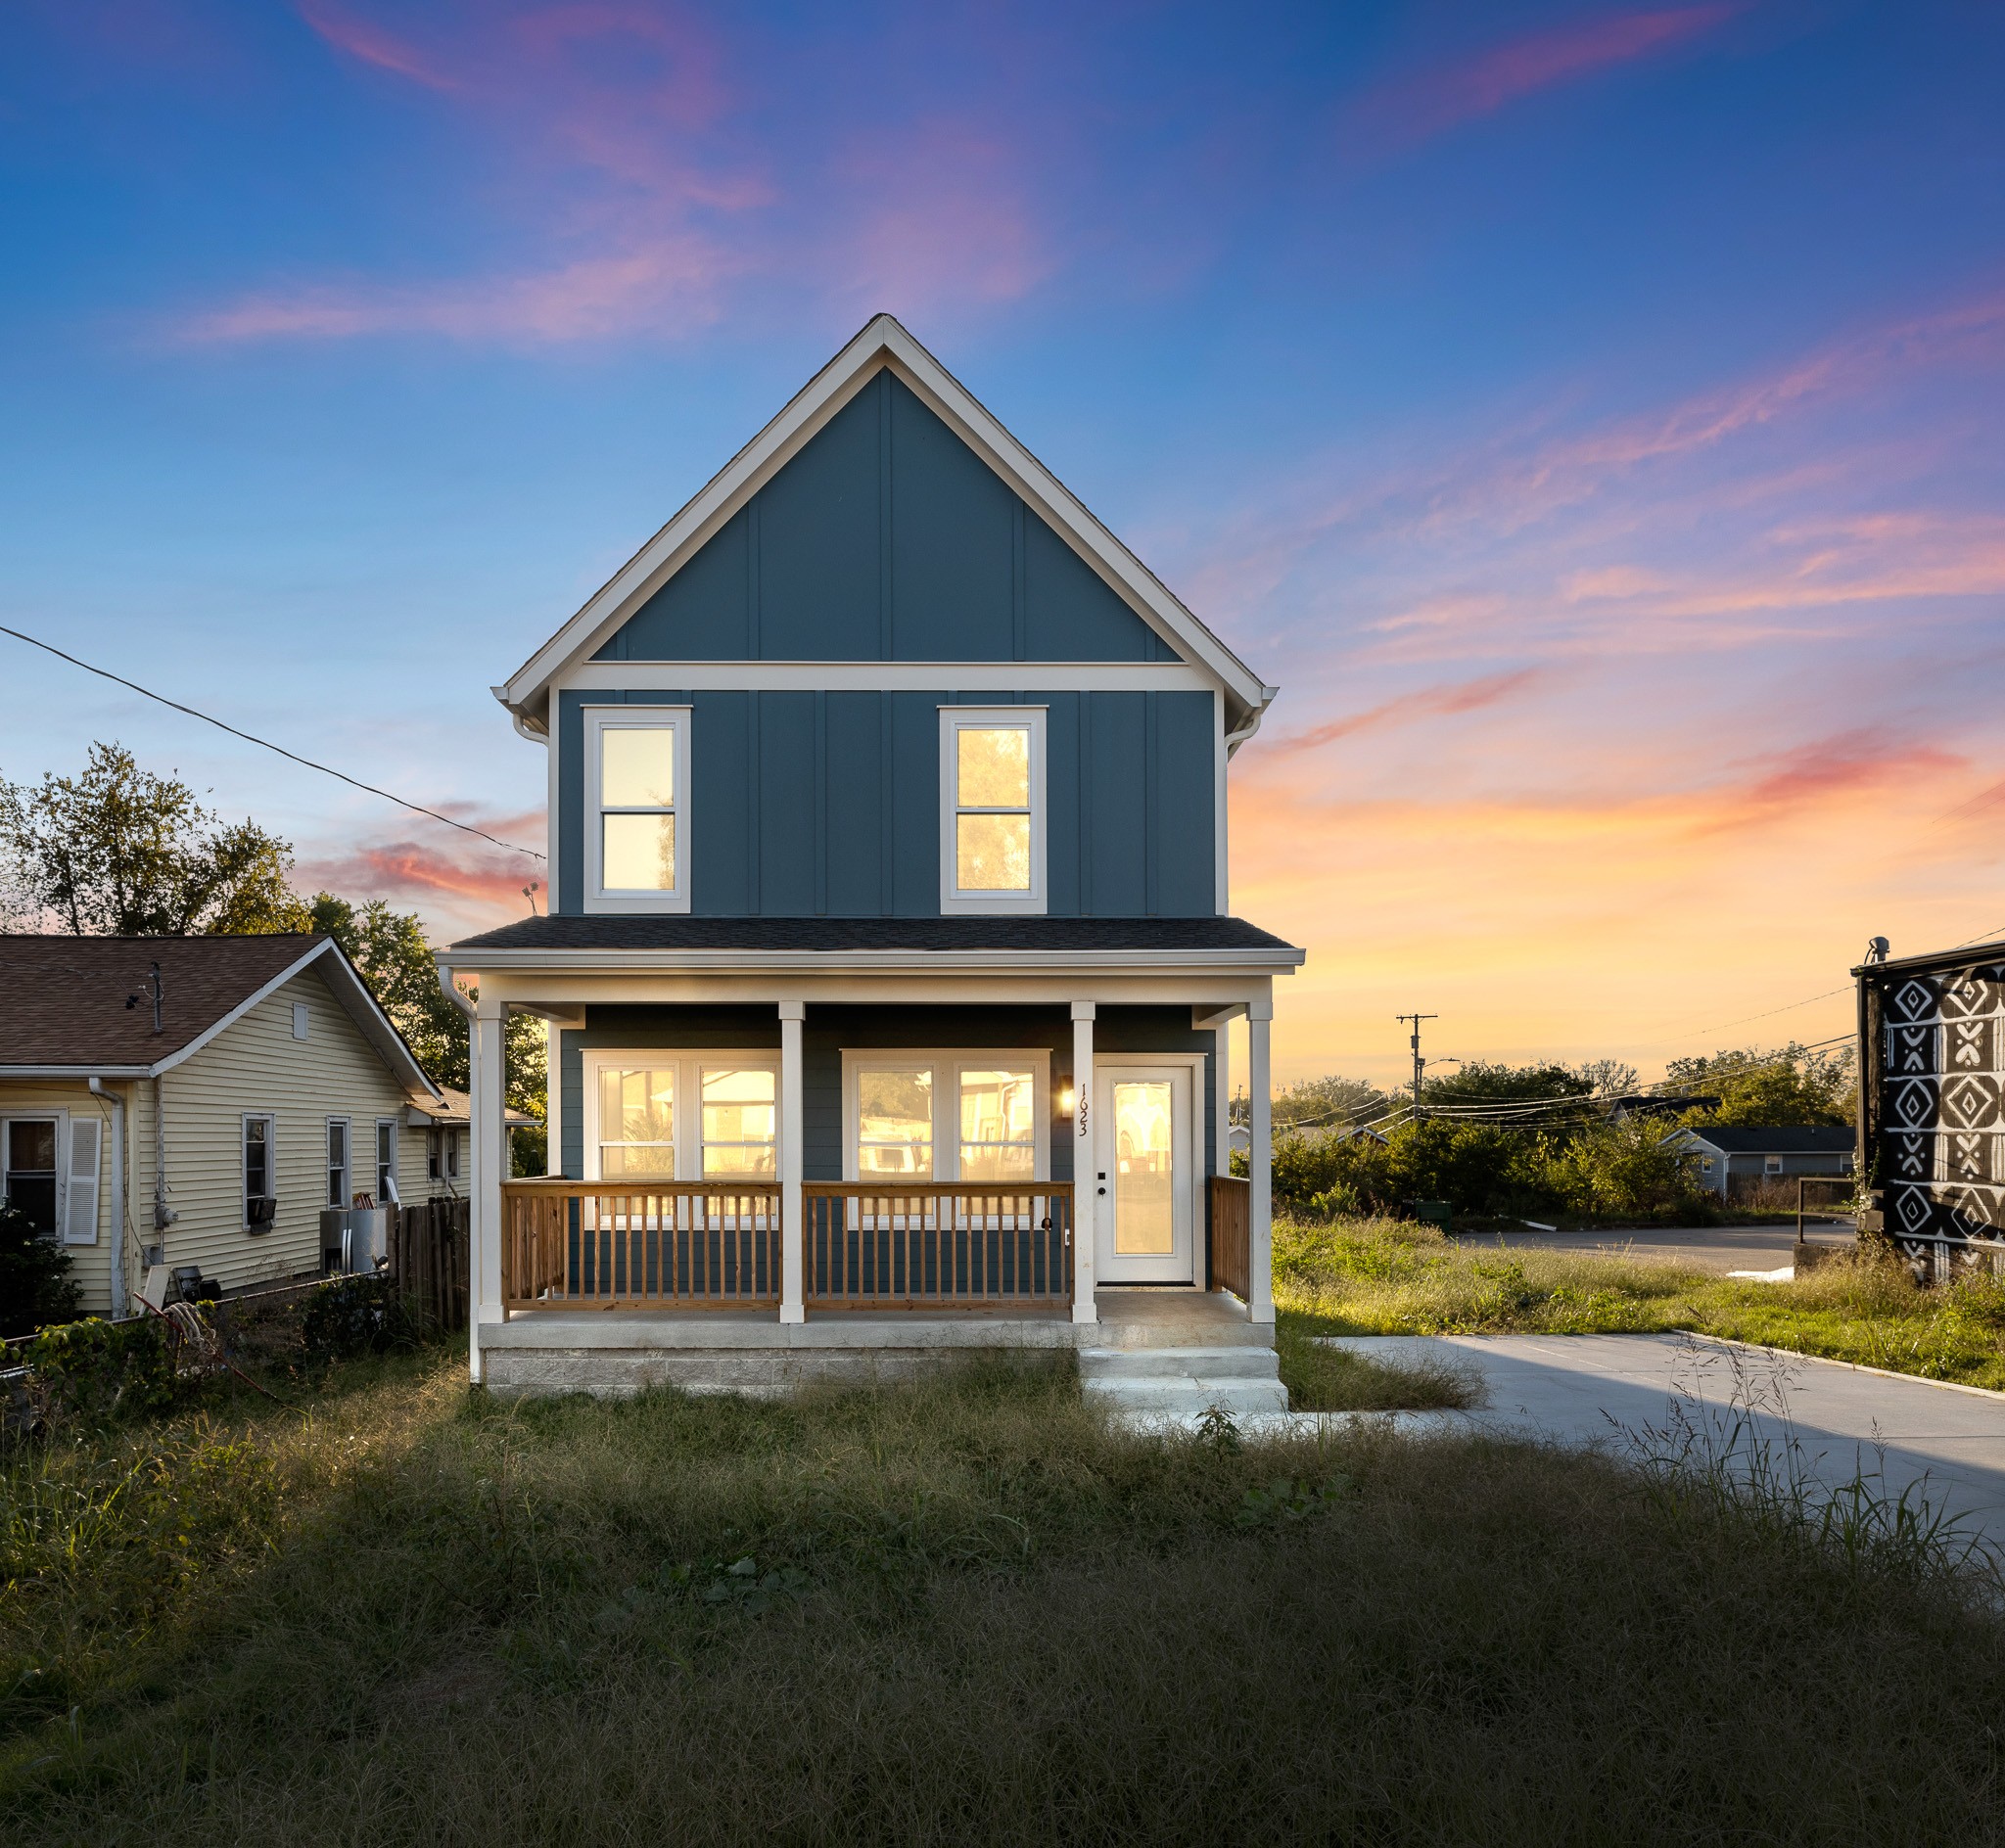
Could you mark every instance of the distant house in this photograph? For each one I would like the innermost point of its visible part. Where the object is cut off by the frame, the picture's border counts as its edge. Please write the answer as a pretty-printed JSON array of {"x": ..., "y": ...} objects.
[
  {"x": 1737, "y": 1156},
  {"x": 445, "y": 1126},
  {"x": 196, "y": 1101}
]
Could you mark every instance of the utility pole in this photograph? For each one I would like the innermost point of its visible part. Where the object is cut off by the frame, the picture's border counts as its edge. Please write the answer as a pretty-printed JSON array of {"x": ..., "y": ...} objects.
[{"x": 1420, "y": 1064}]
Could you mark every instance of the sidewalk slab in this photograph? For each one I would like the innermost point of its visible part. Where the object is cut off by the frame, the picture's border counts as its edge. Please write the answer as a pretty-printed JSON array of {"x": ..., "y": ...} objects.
[{"x": 1943, "y": 1442}]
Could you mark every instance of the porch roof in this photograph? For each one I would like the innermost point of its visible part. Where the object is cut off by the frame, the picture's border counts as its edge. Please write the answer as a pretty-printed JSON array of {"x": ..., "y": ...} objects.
[{"x": 897, "y": 936}]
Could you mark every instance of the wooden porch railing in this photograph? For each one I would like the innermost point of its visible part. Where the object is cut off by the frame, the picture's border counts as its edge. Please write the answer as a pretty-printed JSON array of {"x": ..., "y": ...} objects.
[
  {"x": 1231, "y": 1235},
  {"x": 625, "y": 1244},
  {"x": 927, "y": 1245}
]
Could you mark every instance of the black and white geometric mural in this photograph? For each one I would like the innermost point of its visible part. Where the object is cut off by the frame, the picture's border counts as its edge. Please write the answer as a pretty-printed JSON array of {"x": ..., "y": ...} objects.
[{"x": 1942, "y": 1134}]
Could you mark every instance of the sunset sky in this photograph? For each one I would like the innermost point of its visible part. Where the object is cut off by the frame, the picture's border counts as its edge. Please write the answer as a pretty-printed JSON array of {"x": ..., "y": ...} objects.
[{"x": 1591, "y": 416}]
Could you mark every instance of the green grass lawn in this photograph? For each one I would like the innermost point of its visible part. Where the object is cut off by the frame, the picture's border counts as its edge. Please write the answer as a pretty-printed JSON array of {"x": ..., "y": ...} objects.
[
  {"x": 962, "y": 1611},
  {"x": 1385, "y": 1276}
]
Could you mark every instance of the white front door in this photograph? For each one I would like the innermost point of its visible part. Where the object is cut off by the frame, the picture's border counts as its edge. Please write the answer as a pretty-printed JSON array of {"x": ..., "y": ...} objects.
[{"x": 1143, "y": 1154}]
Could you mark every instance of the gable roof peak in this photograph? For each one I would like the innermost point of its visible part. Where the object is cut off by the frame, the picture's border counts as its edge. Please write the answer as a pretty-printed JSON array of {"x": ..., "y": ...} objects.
[{"x": 883, "y": 343}]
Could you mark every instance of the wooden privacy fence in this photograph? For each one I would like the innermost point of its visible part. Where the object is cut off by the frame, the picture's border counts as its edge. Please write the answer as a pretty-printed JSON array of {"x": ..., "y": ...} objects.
[
  {"x": 429, "y": 1246},
  {"x": 664, "y": 1245},
  {"x": 1231, "y": 1235},
  {"x": 869, "y": 1246}
]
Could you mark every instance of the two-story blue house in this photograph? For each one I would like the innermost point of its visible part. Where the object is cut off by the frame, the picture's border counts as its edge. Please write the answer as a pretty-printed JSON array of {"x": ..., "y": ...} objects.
[{"x": 889, "y": 961}]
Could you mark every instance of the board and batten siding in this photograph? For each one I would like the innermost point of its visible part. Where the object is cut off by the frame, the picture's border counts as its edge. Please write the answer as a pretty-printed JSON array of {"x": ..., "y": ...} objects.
[
  {"x": 886, "y": 539},
  {"x": 820, "y": 804}
]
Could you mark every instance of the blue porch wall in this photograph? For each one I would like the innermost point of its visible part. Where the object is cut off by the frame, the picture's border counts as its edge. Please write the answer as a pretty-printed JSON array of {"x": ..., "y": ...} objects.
[
  {"x": 886, "y": 539},
  {"x": 827, "y": 804},
  {"x": 827, "y": 1030}
]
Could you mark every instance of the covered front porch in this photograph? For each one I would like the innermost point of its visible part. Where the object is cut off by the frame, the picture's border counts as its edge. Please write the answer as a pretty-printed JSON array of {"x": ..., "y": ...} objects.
[{"x": 887, "y": 1165}]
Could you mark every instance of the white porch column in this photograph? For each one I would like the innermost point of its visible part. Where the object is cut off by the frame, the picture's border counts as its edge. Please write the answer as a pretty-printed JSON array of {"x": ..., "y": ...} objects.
[
  {"x": 488, "y": 1154},
  {"x": 1260, "y": 1163},
  {"x": 1222, "y": 1099},
  {"x": 792, "y": 1219},
  {"x": 1086, "y": 1180}
]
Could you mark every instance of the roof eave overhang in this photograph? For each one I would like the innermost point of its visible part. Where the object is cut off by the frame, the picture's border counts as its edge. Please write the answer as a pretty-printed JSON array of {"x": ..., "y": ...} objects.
[
  {"x": 123, "y": 1072},
  {"x": 882, "y": 343},
  {"x": 1045, "y": 962},
  {"x": 1939, "y": 960}
]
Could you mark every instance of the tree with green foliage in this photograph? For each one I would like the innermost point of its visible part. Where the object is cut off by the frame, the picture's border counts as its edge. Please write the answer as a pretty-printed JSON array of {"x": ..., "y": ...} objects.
[
  {"x": 1479, "y": 1082},
  {"x": 122, "y": 852},
  {"x": 1791, "y": 1087},
  {"x": 1324, "y": 1101}
]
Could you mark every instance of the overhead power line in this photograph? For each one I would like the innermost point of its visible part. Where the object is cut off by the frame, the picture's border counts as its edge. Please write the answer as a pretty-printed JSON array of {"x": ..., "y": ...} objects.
[{"x": 326, "y": 770}]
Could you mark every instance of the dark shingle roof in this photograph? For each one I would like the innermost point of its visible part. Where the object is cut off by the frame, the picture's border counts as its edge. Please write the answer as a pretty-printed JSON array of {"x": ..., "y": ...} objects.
[
  {"x": 63, "y": 999},
  {"x": 1057, "y": 935},
  {"x": 1741, "y": 1139}
]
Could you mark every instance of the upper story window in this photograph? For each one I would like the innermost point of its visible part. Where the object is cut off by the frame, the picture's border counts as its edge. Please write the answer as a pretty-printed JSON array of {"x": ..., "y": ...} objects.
[
  {"x": 991, "y": 809},
  {"x": 636, "y": 844}
]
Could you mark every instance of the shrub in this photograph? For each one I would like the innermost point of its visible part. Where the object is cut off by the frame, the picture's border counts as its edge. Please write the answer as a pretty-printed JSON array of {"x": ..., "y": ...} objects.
[
  {"x": 93, "y": 1371},
  {"x": 357, "y": 1315},
  {"x": 35, "y": 1288},
  {"x": 1630, "y": 1168}
]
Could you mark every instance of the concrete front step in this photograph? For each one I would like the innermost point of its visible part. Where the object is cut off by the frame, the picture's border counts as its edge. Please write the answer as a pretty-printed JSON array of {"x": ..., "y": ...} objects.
[
  {"x": 1152, "y": 1397},
  {"x": 1196, "y": 1362}
]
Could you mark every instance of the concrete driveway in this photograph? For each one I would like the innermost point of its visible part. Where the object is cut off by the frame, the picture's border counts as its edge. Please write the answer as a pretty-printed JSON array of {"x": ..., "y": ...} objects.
[{"x": 1822, "y": 1421}]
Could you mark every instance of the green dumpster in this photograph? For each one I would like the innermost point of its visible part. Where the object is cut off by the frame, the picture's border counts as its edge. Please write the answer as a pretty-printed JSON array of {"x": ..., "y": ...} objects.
[{"x": 1434, "y": 1213}]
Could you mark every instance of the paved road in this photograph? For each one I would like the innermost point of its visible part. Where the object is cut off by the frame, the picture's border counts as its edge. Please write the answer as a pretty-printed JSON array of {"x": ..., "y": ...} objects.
[
  {"x": 1716, "y": 1248},
  {"x": 1821, "y": 1420}
]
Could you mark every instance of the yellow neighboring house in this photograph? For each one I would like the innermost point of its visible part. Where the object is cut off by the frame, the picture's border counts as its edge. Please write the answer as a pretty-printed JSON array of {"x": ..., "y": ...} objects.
[{"x": 197, "y": 1102}]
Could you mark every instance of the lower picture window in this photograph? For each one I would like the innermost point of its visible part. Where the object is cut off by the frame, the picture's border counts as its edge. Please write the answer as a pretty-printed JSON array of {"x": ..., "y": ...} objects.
[
  {"x": 683, "y": 1117},
  {"x": 969, "y": 1117}
]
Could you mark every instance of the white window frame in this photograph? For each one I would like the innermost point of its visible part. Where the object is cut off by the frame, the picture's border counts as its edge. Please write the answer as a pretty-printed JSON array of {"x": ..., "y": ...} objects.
[
  {"x": 688, "y": 1138},
  {"x": 947, "y": 1065},
  {"x": 270, "y": 1122},
  {"x": 598, "y": 720},
  {"x": 394, "y": 1195},
  {"x": 347, "y": 1160},
  {"x": 1771, "y": 1163},
  {"x": 61, "y": 1119},
  {"x": 954, "y": 902}
]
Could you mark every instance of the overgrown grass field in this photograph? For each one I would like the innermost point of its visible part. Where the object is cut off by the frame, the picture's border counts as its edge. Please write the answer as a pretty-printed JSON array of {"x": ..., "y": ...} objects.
[
  {"x": 963, "y": 1610},
  {"x": 1388, "y": 1276}
]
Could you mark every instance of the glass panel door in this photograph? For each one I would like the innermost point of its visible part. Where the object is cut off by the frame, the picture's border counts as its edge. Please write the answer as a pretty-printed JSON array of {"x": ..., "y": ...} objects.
[
  {"x": 1141, "y": 1193},
  {"x": 1145, "y": 1206}
]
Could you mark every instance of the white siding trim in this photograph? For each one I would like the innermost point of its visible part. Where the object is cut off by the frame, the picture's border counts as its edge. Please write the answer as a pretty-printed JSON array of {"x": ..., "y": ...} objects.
[{"x": 874, "y": 677}]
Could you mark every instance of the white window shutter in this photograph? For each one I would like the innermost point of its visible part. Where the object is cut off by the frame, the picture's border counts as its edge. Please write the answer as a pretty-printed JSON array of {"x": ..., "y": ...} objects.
[{"x": 80, "y": 1216}]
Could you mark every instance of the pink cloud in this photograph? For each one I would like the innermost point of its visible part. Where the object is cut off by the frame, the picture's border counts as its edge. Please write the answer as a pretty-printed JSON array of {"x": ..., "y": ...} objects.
[
  {"x": 361, "y": 38},
  {"x": 1417, "y": 108},
  {"x": 1428, "y": 702},
  {"x": 670, "y": 286}
]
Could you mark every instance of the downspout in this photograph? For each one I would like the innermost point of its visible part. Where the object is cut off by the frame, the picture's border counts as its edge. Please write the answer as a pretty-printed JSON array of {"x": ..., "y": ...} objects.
[
  {"x": 163, "y": 1215},
  {"x": 119, "y": 1207}
]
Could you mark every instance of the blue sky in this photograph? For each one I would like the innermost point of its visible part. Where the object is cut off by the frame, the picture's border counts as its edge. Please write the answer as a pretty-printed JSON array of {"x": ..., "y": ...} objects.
[{"x": 1587, "y": 413}]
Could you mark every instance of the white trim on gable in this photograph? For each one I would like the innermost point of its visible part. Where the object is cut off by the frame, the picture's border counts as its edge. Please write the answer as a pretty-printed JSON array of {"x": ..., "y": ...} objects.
[{"x": 882, "y": 345}]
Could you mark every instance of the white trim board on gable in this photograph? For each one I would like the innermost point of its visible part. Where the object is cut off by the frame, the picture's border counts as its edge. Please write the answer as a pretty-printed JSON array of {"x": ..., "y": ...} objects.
[{"x": 882, "y": 345}]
